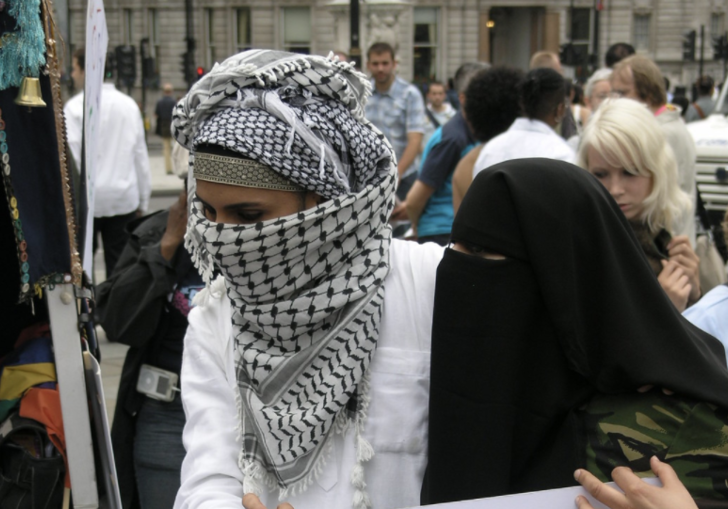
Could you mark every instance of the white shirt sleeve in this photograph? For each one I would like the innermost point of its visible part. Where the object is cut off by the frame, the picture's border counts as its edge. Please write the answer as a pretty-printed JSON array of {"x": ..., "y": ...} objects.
[
  {"x": 210, "y": 478},
  {"x": 141, "y": 166},
  {"x": 74, "y": 128}
]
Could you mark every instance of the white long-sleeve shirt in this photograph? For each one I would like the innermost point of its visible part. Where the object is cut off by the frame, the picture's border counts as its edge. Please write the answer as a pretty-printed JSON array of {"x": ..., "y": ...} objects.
[
  {"x": 123, "y": 179},
  {"x": 396, "y": 425},
  {"x": 525, "y": 138}
]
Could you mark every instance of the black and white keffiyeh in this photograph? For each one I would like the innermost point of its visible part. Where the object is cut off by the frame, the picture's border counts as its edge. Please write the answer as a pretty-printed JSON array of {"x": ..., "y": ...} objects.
[{"x": 306, "y": 289}]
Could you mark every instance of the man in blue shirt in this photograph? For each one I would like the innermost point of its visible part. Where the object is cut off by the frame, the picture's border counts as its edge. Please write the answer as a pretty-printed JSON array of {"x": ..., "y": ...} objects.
[
  {"x": 397, "y": 109},
  {"x": 429, "y": 202}
]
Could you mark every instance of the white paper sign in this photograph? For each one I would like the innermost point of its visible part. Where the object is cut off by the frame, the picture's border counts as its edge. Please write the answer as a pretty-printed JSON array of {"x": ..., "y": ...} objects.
[
  {"x": 563, "y": 498},
  {"x": 97, "y": 41}
]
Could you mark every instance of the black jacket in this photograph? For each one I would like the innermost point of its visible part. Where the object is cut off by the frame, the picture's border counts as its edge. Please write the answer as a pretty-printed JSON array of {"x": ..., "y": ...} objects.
[{"x": 132, "y": 311}]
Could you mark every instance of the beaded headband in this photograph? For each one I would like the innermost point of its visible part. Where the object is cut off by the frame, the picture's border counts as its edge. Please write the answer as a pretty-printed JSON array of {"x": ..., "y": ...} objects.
[{"x": 237, "y": 171}]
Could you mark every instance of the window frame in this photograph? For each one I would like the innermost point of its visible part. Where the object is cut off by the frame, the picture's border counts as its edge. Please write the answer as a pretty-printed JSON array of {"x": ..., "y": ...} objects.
[
  {"x": 437, "y": 45},
  {"x": 647, "y": 16},
  {"x": 282, "y": 20},
  {"x": 236, "y": 36},
  {"x": 211, "y": 48}
]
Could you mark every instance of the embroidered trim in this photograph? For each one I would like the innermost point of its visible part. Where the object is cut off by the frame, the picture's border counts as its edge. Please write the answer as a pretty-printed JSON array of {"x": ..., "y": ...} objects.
[{"x": 240, "y": 172}]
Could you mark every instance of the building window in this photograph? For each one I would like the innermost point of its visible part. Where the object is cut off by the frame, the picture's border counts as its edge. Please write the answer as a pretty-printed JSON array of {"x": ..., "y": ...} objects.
[
  {"x": 642, "y": 31},
  {"x": 716, "y": 24},
  {"x": 425, "y": 44},
  {"x": 580, "y": 33},
  {"x": 128, "y": 29},
  {"x": 296, "y": 23},
  {"x": 153, "y": 32},
  {"x": 210, "y": 47},
  {"x": 242, "y": 30}
]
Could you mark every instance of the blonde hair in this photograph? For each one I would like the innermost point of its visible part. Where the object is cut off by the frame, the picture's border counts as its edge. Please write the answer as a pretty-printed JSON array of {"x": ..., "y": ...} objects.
[{"x": 627, "y": 135}]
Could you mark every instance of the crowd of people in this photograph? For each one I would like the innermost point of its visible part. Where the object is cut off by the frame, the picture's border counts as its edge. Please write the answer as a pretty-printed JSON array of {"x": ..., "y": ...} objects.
[{"x": 321, "y": 358}]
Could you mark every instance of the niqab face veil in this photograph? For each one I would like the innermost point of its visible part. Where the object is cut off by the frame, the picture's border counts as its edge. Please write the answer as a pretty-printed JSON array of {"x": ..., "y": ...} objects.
[
  {"x": 519, "y": 344},
  {"x": 306, "y": 289}
]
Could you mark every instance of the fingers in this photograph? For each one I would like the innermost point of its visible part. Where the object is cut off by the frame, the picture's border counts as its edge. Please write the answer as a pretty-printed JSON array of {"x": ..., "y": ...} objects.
[
  {"x": 251, "y": 501},
  {"x": 600, "y": 491},
  {"x": 583, "y": 503},
  {"x": 680, "y": 240},
  {"x": 285, "y": 505},
  {"x": 664, "y": 471},
  {"x": 626, "y": 479}
]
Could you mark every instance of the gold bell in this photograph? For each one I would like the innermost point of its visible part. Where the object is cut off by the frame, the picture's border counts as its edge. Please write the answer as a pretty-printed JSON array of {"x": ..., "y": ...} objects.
[{"x": 29, "y": 93}]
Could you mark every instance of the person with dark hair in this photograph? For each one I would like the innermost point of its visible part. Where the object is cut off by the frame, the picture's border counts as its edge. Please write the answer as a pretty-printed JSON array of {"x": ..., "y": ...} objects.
[
  {"x": 452, "y": 94},
  {"x": 397, "y": 108},
  {"x": 618, "y": 52},
  {"x": 493, "y": 103},
  {"x": 123, "y": 181},
  {"x": 704, "y": 106},
  {"x": 429, "y": 202},
  {"x": 543, "y": 100}
]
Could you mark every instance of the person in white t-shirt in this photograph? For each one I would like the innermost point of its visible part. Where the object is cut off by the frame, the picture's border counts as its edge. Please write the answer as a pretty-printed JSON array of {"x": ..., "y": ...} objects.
[
  {"x": 122, "y": 176},
  {"x": 305, "y": 374},
  {"x": 543, "y": 99}
]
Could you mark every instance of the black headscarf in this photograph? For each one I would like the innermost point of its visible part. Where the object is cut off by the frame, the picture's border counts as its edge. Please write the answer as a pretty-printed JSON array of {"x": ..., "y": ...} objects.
[{"x": 519, "y": 344}]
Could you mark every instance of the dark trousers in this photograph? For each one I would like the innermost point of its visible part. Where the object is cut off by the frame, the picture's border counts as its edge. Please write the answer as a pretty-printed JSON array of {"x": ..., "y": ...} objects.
[{"x": 113, "y": 235}]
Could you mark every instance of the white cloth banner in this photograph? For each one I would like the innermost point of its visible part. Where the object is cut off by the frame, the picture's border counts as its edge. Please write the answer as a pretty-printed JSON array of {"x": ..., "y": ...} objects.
[
  {"x": 97, "y": 41},
  {"x": 563, "y": 498}
]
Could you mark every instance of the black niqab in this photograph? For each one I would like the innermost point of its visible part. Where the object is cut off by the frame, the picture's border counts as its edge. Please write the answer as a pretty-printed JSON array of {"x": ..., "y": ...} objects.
[{"x": 519, "y": 344}]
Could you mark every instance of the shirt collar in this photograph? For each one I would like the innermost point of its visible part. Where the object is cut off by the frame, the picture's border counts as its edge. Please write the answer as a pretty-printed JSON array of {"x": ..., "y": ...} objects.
[{"x": 533, "y": 125}]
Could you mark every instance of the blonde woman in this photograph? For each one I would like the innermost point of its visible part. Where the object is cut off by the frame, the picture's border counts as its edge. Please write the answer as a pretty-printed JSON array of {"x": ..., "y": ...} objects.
[{"x": 625, "y": 149}]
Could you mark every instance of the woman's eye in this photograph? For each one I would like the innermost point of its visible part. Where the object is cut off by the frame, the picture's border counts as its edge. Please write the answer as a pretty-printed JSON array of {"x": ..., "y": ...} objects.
[
  {"x": 600, "y": 174},
  {"x": 628, "y": 174},
  {"x": 250, "y": 216},
  {"x": 209, "y": 212}
]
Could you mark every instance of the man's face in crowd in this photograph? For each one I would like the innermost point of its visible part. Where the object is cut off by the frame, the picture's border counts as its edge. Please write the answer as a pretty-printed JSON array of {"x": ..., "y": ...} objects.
[
  {"x": 381, "y": 66},
  {"x": 623, "y": 85},
  {"x": 77, "y": 75},
  {"x": 228, "y": 204},
  {"x": 600, "y": 92},
  {"x": 436, "y": 96}
]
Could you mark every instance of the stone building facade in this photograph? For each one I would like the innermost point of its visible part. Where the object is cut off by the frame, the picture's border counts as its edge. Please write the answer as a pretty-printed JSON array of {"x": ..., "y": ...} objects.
[{"x": 433, "y": 37}]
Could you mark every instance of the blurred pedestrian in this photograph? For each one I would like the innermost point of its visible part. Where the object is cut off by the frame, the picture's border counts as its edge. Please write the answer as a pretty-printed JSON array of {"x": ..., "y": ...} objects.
[
  {"x": 438, "y": 110},
  {"x": 624, "y": 148},
  {"x": 492, "y": 104},
  {"x": 429, "y": 201},
  {"x": 543, "y": 99},
  {"x": 638, "y": 78},
  {"x": 704, "y": 106},
  {"x": 396, "y": 107},
  {"x": 618, "y": 52},
  {"x": 597, "y": 89},
  {"x": 566, "y": 127},
  {"x": 163, "y": 114},
  {"x": 144, "y": 304},
  {"x": 122, "y": 182}
]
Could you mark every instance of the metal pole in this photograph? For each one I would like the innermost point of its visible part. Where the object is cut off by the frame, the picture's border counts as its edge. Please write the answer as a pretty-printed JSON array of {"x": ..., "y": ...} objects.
[
  {"x": 724, "y": 51},
  {"x": 596, "y": 35},
  {"x": 702, "y": 45},
  {"x": 354, "y": 50},
  {"x": 190, "y": 29}
]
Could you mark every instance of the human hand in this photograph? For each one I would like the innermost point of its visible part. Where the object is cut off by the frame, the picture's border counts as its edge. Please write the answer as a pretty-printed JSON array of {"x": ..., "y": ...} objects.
[
  {"x": 637, "y": 493},
  {"x": 174, "y": 234},
  {"x": 400, "y": 212},
  {"x": 682, "y": 253},
  {"x": 251, "y": 501},
  {"x": 675, "y": 283}
]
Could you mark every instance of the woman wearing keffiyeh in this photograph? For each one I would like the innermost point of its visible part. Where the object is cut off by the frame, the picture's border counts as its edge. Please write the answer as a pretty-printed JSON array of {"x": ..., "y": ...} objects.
[{"x": 306, "y": 364}]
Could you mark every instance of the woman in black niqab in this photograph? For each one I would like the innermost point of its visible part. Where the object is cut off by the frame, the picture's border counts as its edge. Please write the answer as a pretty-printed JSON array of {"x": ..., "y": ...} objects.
[{"x": 519, "y": 344}]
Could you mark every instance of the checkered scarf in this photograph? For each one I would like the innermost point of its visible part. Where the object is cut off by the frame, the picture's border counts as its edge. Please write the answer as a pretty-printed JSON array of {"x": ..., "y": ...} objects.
[{"x": 306, "y": 289}]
